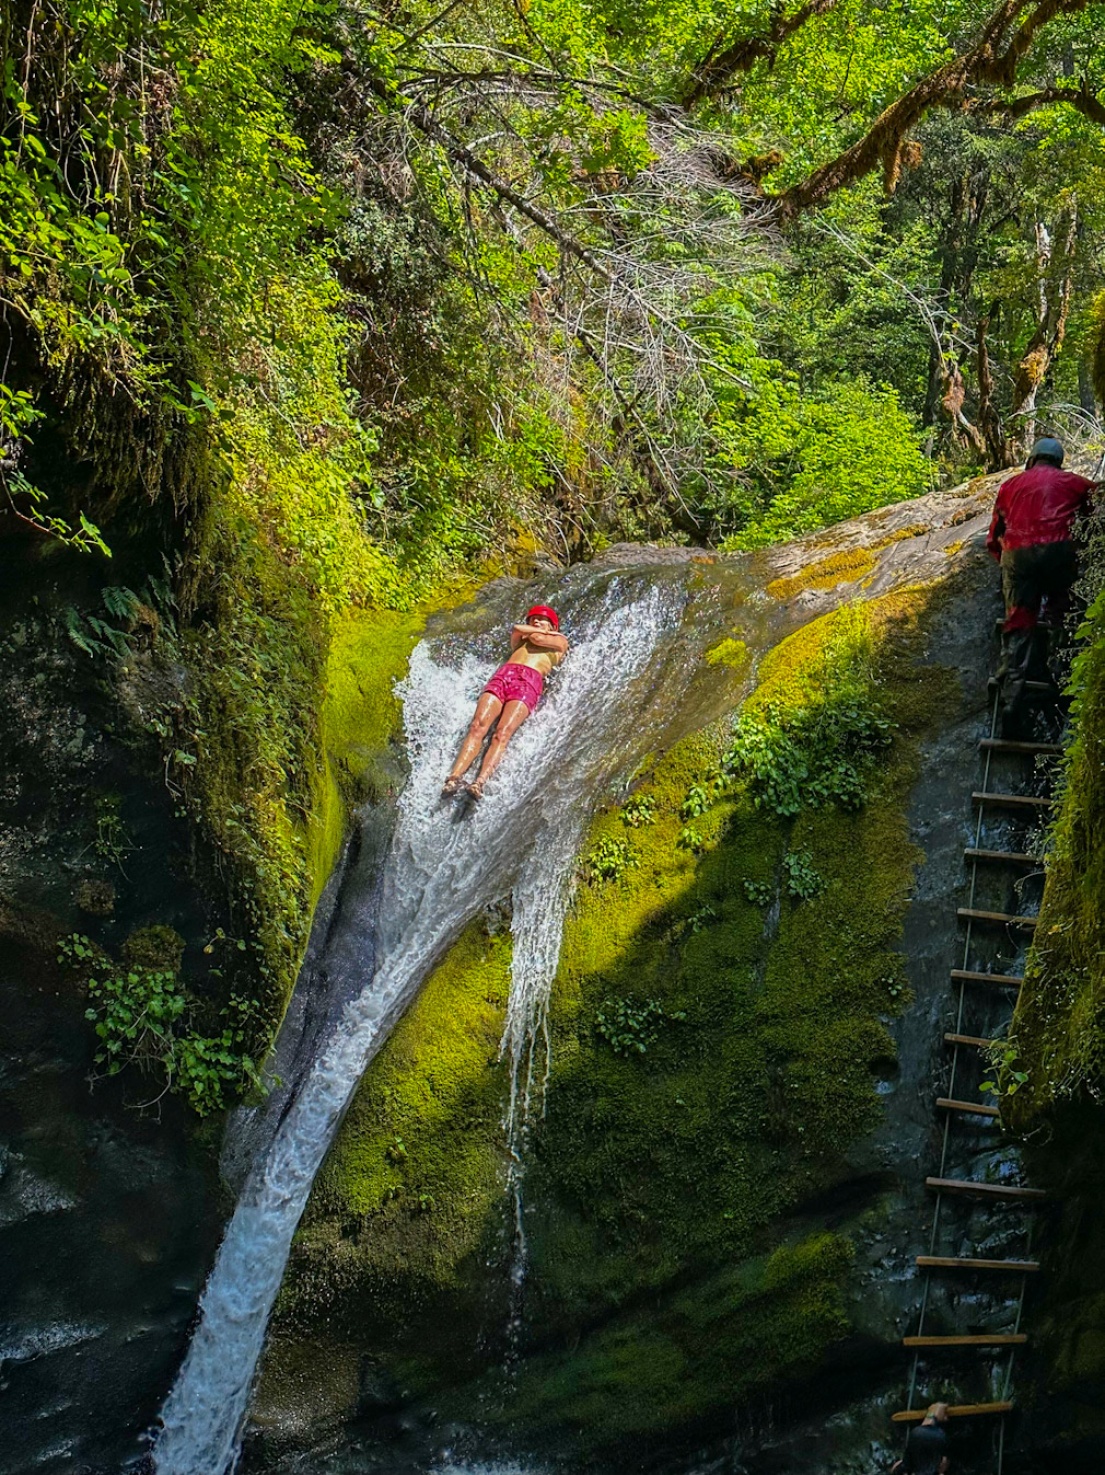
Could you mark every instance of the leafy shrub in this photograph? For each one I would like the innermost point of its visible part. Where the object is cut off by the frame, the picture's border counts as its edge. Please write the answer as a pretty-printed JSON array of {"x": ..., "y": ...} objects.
[
  {"x": 144, "y": 1017},
  {"x": 819, "y": 746},
  {"x": 759, "y": 893},
  {"x": 696, "y": 801},
  {"x": 803, "y": 881},
  {"x": 610, "y": 859},
  {"x": 701, "y": 918},
  {"x": 639, "y": 810},
  {"x": 690, "y": 839},
  {"x": 856, "y": 449},
  {"x": 629, "y": 1027},
  {"x": 1008, "y": 1074}
]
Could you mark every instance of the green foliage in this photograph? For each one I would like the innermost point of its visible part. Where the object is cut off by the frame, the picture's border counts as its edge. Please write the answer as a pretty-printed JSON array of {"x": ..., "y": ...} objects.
[
  {"x": 819, "y": 744},
  {"x": 803, "y": 881},
  {"x": 112, "y": 843},
  {"x": 639, "y": 810},
  {"x": 1009, "y": 1076},
  {"x": 690, "y": 839},
  {"x": 701, "y": 918},
  {"x": 759, "y": 893},
  {"x": 697, "y": 800},
  {"x": 144, "y": 1017},
  {"x": 856, "y": 449},
  {"x": 630, "y": 1026},
  {"x": 609, "y": 859}
]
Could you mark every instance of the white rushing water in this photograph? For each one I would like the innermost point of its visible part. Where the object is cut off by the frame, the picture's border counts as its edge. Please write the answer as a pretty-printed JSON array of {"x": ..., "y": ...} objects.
[{"x": 443, "y": 865}]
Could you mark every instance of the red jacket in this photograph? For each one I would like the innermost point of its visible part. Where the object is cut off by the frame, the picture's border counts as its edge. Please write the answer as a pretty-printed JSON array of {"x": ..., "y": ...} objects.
[{"x": 1038, "y": 506}]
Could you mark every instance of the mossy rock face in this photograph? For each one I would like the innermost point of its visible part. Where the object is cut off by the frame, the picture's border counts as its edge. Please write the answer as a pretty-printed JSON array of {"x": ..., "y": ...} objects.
[{"x": 719, "y": 1031}]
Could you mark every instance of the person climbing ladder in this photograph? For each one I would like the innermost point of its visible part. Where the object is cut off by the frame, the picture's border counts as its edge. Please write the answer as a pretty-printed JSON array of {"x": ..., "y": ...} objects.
[
  {"x": 1031, "y": 536},
  {"x": 537, "y": 647},
  {"x": 927, "y": 1445}
]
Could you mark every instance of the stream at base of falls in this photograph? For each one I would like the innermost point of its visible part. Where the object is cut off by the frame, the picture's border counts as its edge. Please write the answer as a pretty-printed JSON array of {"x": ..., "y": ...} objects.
[{"x": 633, "y": 682}]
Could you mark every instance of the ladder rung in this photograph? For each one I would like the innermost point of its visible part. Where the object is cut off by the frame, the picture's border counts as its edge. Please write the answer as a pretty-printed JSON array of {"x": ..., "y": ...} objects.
[
  {"x": 957, "y": 1262},
  {"x": 1037, "y": 686},
  {"x": 979, "y": 1041},
  {"x": 945, "y": 1103},
  {"x": 1005, "y": 857},
  {"x": 986, "y": 1190},
  {"x": 994, "y": 980},
  {"x": 1004, "y": 745},
  {"x": 971, "y": 914},
  {"x": 993, "y": 1339},
  {"x": 956, "y": 1411},
  {"x": 1010, "y": 801}
]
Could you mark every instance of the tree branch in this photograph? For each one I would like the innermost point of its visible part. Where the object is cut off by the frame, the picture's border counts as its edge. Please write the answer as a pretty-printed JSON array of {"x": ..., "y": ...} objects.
[
  {"x": 1079, "y": 98},
  {"x": 1005, "y": 39},
  {"x": 718, "y": 68}
]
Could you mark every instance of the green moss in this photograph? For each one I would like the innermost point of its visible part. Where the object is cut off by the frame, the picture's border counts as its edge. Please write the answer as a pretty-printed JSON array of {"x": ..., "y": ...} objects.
[
  {"x": 369, "y": 651},
  {"x": 157, "y": 947},
  {"x": 732, "y": 653},
  {"x": 416, "y": 1171},
  {"x": 729, "y": 1335},
  {"x": 1059, "y": 1027},
  {"x": 827, "y": 573}
]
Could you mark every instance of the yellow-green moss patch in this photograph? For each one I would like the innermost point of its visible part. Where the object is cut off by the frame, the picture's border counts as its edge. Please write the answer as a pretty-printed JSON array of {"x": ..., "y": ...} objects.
[
  {"x": 369, "y": 651},
  {"x": 418, "y": 1162},
  {"x": 840, "y": 568},
  {"x": 731, "y": 653}
]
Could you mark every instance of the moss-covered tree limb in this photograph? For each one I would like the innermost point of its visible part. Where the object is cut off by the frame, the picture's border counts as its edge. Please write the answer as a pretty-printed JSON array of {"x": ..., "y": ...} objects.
[
  {"x": 1004, "y": 41},
  {"x": 1080, "y": 98},
  {"x": 723, "y": 63}
]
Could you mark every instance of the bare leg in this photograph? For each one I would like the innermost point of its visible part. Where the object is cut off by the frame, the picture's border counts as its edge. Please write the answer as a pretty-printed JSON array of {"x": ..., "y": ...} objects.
[
  {"x": 514, "y": 714},
  {"x": 487, "y": 709}
]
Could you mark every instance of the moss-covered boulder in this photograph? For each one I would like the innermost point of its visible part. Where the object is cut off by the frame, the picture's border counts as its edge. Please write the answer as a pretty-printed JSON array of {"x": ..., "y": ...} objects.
[{"x": 699, "y": 1199}]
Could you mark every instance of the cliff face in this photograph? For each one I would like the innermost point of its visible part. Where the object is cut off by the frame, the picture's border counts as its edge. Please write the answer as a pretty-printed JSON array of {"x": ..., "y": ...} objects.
[
  {"x": 1058, "y": 1051},
  {"x": 722, "y": 1190}
]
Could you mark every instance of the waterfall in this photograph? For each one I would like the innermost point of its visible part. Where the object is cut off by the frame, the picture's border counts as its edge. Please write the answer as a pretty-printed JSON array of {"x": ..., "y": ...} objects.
[{"x": 604, "y": 712}]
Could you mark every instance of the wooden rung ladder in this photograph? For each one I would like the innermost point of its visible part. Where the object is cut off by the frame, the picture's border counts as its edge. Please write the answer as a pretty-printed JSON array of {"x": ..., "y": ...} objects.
[
  {"x": 955, "y": 1411},
  {"x": 1008, "y": 1191},
  {"x": 999, "y": 919},
  {"x": 959, "y": 1262},
  {"x": 1011, "y": 801},
  {"x": 967, "y": 1108},
  {"x": 989, "y": 1339},
  {"x": 992, "y": 980},
  {"x": 1031, "y": 807}
]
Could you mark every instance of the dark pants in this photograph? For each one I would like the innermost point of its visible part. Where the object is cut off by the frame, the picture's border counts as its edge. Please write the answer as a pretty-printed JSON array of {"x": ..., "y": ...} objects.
[{"x": 1036, "y": 583}]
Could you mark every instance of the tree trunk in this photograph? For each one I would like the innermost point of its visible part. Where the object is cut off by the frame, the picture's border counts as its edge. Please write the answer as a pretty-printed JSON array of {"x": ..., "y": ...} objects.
[{"x": 1055, "y": 281}]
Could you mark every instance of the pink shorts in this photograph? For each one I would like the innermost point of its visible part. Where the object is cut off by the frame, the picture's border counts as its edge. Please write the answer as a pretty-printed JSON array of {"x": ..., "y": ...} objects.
[{"x": 516, "y": 683}]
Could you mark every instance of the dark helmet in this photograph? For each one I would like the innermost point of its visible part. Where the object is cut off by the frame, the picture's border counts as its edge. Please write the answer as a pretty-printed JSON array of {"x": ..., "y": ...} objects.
[{"x": 1047, "y": 448}]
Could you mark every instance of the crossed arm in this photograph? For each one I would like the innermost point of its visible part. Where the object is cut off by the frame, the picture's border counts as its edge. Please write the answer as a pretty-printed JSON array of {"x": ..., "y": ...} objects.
[{"x": 540, "y": 639}]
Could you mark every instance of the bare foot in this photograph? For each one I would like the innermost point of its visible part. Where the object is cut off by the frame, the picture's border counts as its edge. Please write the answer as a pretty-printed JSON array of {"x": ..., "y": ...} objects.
[
  {"x": 450, "y": 788},
  {"x": 475, "y": 789}
]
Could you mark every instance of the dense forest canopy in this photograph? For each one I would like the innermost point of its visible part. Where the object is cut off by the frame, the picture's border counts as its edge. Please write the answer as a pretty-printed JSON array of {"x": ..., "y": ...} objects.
[{"x": 718, "y": 271}]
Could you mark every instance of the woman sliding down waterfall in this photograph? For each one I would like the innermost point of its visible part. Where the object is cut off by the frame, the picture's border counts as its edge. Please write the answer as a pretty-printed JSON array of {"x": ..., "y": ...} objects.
[{"x": 509, "y": 697}]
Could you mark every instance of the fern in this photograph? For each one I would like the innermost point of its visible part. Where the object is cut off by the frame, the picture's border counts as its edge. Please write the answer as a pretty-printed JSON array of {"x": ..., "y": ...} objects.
[{"x": 120, "y": 603}]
